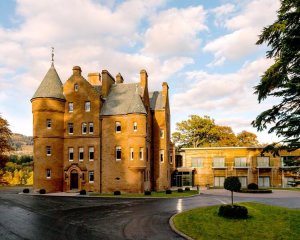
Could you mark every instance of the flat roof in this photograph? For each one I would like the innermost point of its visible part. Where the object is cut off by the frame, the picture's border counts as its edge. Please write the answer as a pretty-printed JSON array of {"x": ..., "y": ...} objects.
[{"x": 215, "y": 148}]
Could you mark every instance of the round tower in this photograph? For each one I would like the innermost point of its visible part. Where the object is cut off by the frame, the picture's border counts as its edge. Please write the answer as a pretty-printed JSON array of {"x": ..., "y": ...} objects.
[{"x": 48, "y": 106}]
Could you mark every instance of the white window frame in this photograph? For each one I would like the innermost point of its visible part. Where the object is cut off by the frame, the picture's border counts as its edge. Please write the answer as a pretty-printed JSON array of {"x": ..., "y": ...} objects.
[
  {"x": 76, "y": 87},
  {"x": 70, "y": 107},
  {"x": 118, "y": 149},
  {"x": 48, "y": 151},
  {"x": 70, "y": 125},
  {"x": 80, "y": 150},
  {"x": 118, "y": 124},
  {"x": 263, "y": 161},
  {"x": 161, "y": 156},
  {"x": 48, "y": 173},
  {"x": 197, "y": 162},
  {"x": 84, "y": 127},
  {"x": 91, "y": 150},
  {"x": 162, "y": 133},
  {"x": 131, "y": 153},
  {"x": 241, "y": 178},
  {"x": 240, "y": 161},
  {"x": 91, "y": 125},
  {"x": 134, "y": 126},
  {"x": 219, "y": 180},
  {"x": 219, "y": 162},
  {"x": 87, "y": 106},
  {"x": 49, "y": 123},
  {"x": 91, "y": 173},
  {"x": 262, "y": 179},
  {"x": 141, "y": 154},
  {"x": 71, "y": 153}
]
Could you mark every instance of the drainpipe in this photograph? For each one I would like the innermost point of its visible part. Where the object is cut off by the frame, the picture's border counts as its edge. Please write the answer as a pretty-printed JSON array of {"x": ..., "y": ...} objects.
[{"x": 100, "y": 129}]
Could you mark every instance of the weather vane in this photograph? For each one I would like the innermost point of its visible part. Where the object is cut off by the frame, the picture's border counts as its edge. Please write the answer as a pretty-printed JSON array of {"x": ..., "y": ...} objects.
[{"x": 52, "y": 55}]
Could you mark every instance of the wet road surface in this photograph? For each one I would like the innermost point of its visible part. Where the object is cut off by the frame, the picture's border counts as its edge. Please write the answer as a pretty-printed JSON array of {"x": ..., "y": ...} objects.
[{"x": 44, "y": 217}]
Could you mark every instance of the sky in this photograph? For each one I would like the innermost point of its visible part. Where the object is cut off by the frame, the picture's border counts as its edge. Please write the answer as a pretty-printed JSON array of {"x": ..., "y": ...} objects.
[{"x": 205, "y": 50}]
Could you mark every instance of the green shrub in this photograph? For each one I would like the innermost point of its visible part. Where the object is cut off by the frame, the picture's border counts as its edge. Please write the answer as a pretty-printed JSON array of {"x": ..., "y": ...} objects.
[
  {"x": 82, "y": 192},
  {"x": 256, "y": 191},
  {"x": 187, "y": 189},
  {"x": 147, "y": 193},
  {"x": 42, "y": 191},
  {"x": 179, "y": 190},
  {"x": 26, "y": 190},
  {"x": 232, "y": 184},
  {"x": 168, "y": 191},
  {"x": 233, "y": 211},
  {"x": 117, "y": 193},
  {"x": 252, "y": 186}
]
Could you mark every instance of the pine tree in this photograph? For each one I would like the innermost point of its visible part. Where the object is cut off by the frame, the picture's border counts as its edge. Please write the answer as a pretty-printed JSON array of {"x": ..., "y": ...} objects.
[{"x": 282, "y": 79}]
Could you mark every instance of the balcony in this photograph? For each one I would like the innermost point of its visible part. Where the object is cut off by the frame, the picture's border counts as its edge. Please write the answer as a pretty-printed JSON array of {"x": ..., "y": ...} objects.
[
  {"x": 219, "y": 166},
  {"x": 242, "y": 166},
  {"x": 264, "y": 166}
]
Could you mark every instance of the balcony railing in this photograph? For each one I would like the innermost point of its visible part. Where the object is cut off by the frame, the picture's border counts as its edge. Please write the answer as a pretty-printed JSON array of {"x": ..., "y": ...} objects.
[
  {"x": 242, "y": 165},
  {"x": 219, "y": 165}
]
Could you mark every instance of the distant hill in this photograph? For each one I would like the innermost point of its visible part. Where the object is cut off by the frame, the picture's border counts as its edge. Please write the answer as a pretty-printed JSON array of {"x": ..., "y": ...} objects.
[{"x": 19, "y": 141}]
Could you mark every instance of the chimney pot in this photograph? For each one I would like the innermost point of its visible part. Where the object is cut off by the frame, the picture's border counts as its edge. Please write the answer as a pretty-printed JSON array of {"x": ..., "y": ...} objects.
[{"x": 77, "y": 70}]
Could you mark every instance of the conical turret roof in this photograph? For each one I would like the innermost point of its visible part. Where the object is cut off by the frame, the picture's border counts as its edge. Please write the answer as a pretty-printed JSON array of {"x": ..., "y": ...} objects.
[{"x": 51, "y": 86}]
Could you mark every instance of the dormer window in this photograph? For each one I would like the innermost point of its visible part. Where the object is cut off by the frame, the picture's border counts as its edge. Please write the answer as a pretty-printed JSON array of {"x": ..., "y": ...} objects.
[
  {"x": 135, "y": 126},
  {"x": 76, "y": 87},
  {"x": 118, "y": 127},
  {"x": 70, "y": 107},
  {"x": 87, "y": 106}
]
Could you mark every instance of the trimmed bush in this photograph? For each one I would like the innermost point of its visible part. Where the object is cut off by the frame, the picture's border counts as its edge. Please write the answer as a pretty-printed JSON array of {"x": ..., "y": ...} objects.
[
  {"x": 117, "y": 193},
  {"x": 82, "y": 192},
  {"x": 26, "y": 190},
  {"x": 187, "y": 189},
  {"x": 147, "y": 193},
  {"x": 235, "y": 211},
  {"x": 256, "y": 191},
  {"x": 179, "y": 190},
  {"x": 42, "y": 191},
  {"x": 168, "y": 191},
  {"x": 252, "y": 186}
]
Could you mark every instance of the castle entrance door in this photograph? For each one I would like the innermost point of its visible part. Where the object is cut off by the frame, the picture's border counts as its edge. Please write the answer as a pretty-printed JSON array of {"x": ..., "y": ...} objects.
[{"x": 74, "y": 180}]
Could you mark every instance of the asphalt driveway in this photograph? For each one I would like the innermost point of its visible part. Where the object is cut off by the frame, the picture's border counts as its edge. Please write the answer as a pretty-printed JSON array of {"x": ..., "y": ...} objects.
[{"x": 51, "y": 217}]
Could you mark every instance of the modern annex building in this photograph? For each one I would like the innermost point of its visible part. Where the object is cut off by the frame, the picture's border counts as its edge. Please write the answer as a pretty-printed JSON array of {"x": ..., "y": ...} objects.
[
  {"x": 210, "y": 166},
  {"x": 101, "y": 134}
]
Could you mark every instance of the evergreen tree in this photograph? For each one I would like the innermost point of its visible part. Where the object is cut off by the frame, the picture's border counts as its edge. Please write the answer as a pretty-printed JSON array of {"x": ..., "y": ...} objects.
[{"x": 282, "y": 79}]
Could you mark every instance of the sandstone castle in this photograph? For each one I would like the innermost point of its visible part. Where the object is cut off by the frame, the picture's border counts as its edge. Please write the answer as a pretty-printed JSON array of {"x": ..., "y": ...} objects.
[{"x": 101, "y": 134}]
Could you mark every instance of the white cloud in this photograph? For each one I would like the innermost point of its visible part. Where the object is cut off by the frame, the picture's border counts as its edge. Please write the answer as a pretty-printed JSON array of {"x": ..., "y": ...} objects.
[
  {"x": 175, "y": 31},
  {"x": 245, "y": 28},
  {"x": 222, "y": 12},
  {"x": 230, "y": 93}
]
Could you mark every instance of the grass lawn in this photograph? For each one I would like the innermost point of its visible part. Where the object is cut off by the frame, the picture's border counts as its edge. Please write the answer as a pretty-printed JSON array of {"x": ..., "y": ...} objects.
[
  {"x": 153, "y": 194},
  {"x": 265, "y": 222}
]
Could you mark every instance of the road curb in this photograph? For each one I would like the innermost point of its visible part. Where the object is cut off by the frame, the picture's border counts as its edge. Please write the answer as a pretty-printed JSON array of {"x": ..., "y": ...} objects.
[{"x": 176, "y": 230}]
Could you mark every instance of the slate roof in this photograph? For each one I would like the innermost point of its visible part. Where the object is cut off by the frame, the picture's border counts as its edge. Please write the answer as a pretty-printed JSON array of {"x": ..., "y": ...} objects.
[
  {"x": 51, "y": 86},
  {"x": 156, "y": 100},
  {"x": 123, "y": 99}
]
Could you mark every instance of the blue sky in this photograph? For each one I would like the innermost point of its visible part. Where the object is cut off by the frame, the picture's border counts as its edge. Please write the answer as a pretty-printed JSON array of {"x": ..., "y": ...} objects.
[{"x": 205, "y": 50}]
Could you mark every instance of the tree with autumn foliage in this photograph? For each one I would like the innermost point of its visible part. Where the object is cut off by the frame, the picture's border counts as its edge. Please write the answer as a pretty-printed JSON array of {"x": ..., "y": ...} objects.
[
  {"x": 5, "y": 134},
  {"x": 204, "y": 132}
]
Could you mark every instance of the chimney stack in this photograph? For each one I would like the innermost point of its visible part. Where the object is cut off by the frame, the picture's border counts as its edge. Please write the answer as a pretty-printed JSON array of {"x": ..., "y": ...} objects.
[
  {"x": 77, "y": 70},
  {"x": 107, "y": 81},
  {"x": 119, "y": 78},
  {"x": 94, "y": 79}
]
